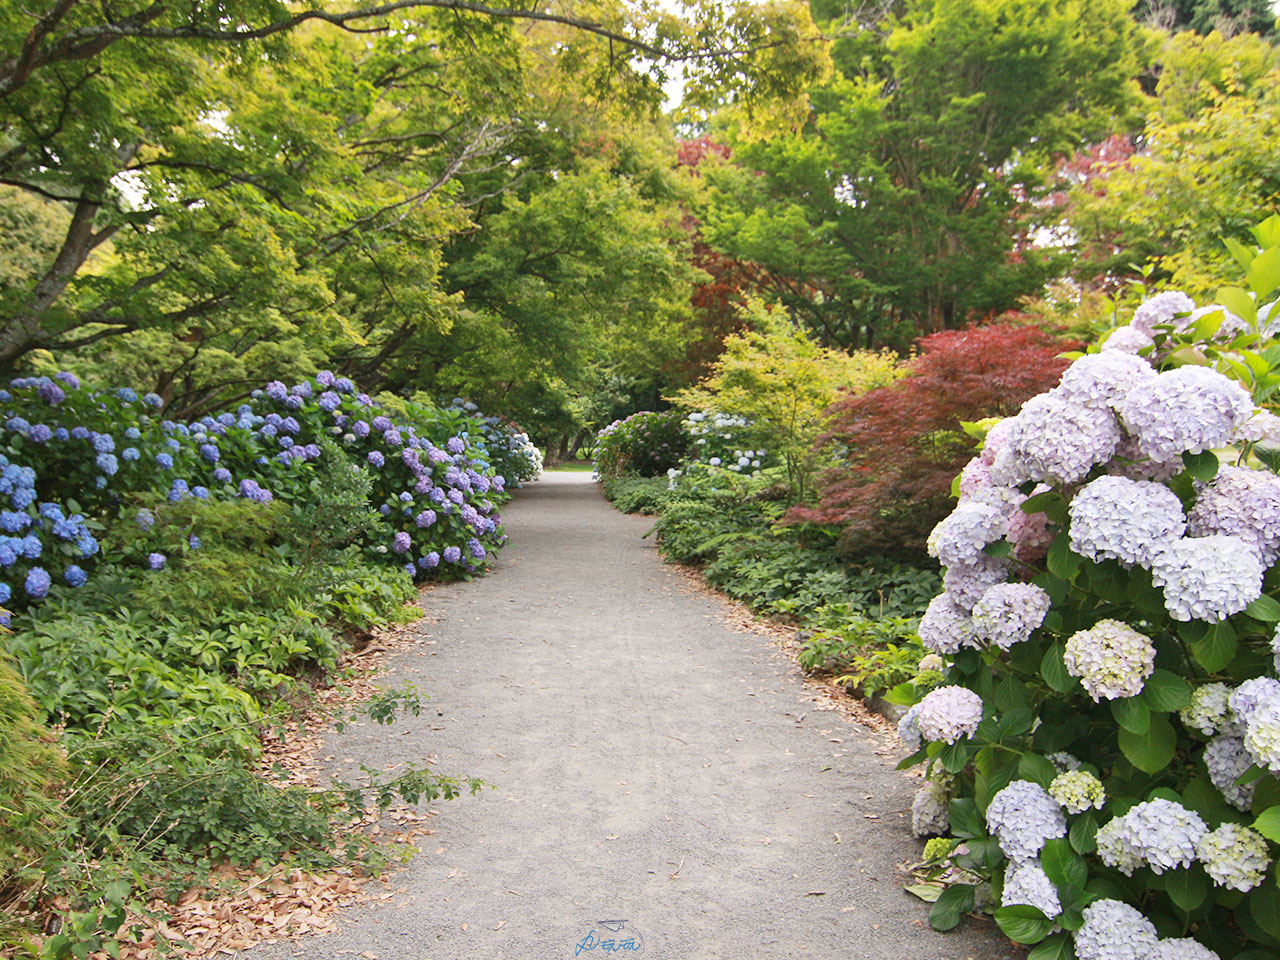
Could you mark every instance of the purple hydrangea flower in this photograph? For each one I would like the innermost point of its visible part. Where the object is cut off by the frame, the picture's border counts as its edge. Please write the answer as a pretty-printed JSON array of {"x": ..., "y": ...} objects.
[
  {"x": 37, "y": 583},
  {"x": 376, "y": 458},
  {"x": 156, "y": 561},
  {"x": 222, "y": 475},
  {"x": 165, "y": 461},
  {"x": 210, "y": 452},
  {"x": 51, "y": 393},
  {"x": 74, "y": 575},
  {"x": 429, "y": 561},
  {"x": 401, "y": 542},
  {"x": 452, "y": 554}
]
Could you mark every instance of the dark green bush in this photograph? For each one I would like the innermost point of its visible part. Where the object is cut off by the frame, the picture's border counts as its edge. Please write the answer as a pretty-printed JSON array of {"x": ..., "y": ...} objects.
[
  {"x": 646, "y": 443},
  {"x": 632, "y": 494}
]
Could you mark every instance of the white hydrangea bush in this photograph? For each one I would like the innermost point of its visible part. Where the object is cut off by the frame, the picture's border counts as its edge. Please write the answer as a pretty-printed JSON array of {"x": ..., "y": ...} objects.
[{"x": 1110, "y": 604}]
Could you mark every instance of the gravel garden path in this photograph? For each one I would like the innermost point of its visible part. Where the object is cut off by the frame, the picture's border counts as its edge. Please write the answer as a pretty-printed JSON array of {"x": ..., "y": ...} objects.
[{"x": 651, "y": 765}]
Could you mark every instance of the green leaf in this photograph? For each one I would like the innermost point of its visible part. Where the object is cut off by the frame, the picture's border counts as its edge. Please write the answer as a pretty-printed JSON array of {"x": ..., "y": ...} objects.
[
  {"x": 1057, "y": 947},
  {"x": 1151, "y": 750},
  {"x": 1263, "y": 274},
  {"x": 1265, "y": 608},
  {"x": 1061, "y": 561},
  {"x": 1051, "y": 503},
  {"x": 1202, "y": 466},
  {"x": 955, "y": 756},
  {"x": 1054, "y": 670},
  {"x": 1037, "y": 769},
  {"x": 1084, "y": 830},
  {"x": 1132, "y": 714},
  {"x": 903, "y": 695},
  {"x": 1187, "y": 888},
  {"x": 1264, "y": 907},
  {"x": 1062, "y": 864},
  {"x": 951, "y": 906},
  {"x": 1238, "y": 302},
  {"x": 1243, "y": 256},
  {"x": 1217, "y": 649},
  {"x": 1268, "y": 823},
  {"x": 928, "y": 892},
  {"x": 966, "y": 822},
  {"x": 1165, "y": 691},
  {"x": 1023, "y": 924}
]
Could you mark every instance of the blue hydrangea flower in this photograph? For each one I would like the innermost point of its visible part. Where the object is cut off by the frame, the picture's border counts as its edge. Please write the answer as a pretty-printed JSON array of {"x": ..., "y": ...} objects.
[
  {"x": 200, "y": 493},
  {"x": 8, "y": 556},
  {"x": 130, "y": 453},
  {"x": 5, "y": 593},
  {"x": 156, "y": 561},
  {"x": 127, "y": 395},
  {"x": 452, "y": 554},
  {"x": 87, "y": 545},
  {"x": 429, "y": 561},
  {"x": 210, "y": 452},
  {"x": 51, "y": 393},
  {"x": 179, "y": 491},
  {"x": 222, "y": 475},
  {"x": 165, "y": 461},
  {"x": 409, "y": 568},
  {"x": 153, "y": 400},
  {"x": 145, "y": 519},
  {"x": 133, "y": 433},
  {"x": 37, "y": 583},
  {"x": 194, "y": 542},
  {"x": 376, "y": 458},
  {"x": 107, "y": 463},
  {"x": 13, "y": 521},
  {"x": 41, "y": 433},
  {"x": 80, "y": 433},
  {"x": 293, "y": 403},
  {"x": 103, "y": 443},
  {"x": 75, "y": 576}
]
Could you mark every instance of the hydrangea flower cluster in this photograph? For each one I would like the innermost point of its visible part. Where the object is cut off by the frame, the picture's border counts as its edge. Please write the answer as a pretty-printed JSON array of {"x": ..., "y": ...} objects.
[
  {"x": 1188, "y": 409},
  {"x": 1009, "y": 613},
  {"x": 1226, "y": 759},
  {"x": 1235, "y": 857},
  {"x": 1026, "y": 884},
  {"x": 929, "y": 816},
  {"x": 1056, "y": 439},
  {"x": 1209, "y": 711},
  {"x": 1078, "y": 791},
  {"x": 1113, "y": 930},
  {"x": 949, "y": 713},
  {"x": 1159, "y": 833},
  {"x": 1112, "y": 659},
  {"x": 946, "y": 626},
  {"x": 1181, "y": 948},
  {"x": 1127, "y": 520},
  {"x": 1208, "y": 578},
  {"x": 1240, "y": 503},
  {"x": 1022, "y": 816}
]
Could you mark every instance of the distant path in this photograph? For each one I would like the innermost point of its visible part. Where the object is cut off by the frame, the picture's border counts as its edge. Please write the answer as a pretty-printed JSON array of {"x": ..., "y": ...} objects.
[{"x": 652, "y": 765}]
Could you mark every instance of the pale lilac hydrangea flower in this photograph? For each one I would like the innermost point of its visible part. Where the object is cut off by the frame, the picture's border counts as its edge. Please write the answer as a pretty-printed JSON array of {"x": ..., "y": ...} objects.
[
  {"x": 1112, "y": 659},
  {"x": 1127, "y": 520},
  {"x": 1161, "y": 832},
  {"x": 929, "y": 816},
  {"x": 1245, "y": 699},
  {"x": 1262, "y": 734},
  {"x": 1127, "y": 339},
  {"x": 1113, "y": 930},
  {"x": 1209, "y": 710},
  {"x": 1026, "y": 884},
  {"x": 1189, "y": 409},
  {"x": 945, "y": 626},
  {"x": 1161, "y": 309},
  {"x": 949, "y": 713},
  {"x": 1104, "y": 379},
  {"x": 1226, "y": 759},
  {"x": 997, "y": 439},
  {"x": 965, "y": 583},
  {"x": 960, "y": 537},
  {"x": 1063, "y": 760},
  {"x": 1235, "y": 857},
  {"x": 1181, "y": 948},
  {"x": 1263, "y": 427},
  {"x": 909, "y": 729},
  {"x": 1116, "y": 848},
  {"x": 1057, "y": 440},
  {"x": 1208, "y": 578},
  {"x": 1131, "y": 462},
  {"x": 1275, "y": 650},
  {"x": 1022, "y": 816},
  {"x": 1009, "y": 613},
  {"x": 1241, "y": 503},
  {"x": 1077, "y": 791}
]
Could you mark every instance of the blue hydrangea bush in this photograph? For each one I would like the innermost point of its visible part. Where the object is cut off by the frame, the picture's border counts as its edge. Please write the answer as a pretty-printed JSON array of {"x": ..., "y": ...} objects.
[
  {"x": 74, "y": 459},
  {"x": 1104, "y": 752}
]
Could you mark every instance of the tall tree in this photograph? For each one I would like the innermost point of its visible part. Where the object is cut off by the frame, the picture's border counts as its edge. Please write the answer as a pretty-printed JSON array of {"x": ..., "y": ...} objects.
[{"x": 895, "y": 208}]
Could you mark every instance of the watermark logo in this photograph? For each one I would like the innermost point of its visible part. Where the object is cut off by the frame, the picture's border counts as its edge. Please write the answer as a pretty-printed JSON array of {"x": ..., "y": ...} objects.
[{"x": 610, "y": 936}]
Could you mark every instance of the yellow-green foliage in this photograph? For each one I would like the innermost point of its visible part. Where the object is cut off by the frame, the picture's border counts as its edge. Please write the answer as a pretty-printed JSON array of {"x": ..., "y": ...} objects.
[
  {"x": 774, "y": 374},
  {"x": 30, "y": 768}
]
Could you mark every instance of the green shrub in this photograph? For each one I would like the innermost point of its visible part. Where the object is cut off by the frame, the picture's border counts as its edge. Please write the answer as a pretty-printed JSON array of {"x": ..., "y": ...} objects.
[
  {"x": 632, "y": 494},
  {"x": 646, "y": 443}
]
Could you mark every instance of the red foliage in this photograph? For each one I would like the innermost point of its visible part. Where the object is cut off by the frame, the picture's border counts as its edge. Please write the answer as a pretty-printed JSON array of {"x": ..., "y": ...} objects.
[{"x": 904, "y": 442}]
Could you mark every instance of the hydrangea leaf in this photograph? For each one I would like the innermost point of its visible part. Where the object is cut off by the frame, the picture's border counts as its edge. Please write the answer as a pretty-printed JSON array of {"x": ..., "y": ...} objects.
[
  {"x": 1057, "y": 947},
  {"x": 1063, "y": 865},
  {"x": 1201, "y": 466},
  {"x": 1023, "y": 924},
  {"x": 1132, "y": 714},
  {"x": 1264, "y": 907},
  {"x": 1037, "y": 769},
  {"x": 1265, "y": 608},
  {"x": 1082, "y": 834},
  {"x": 1054, "y": 670},
  {"x": 955, "y": 756},
  {"x": 1268, "y": 823},
  {"x": 951, "y": 906},
  {"x": 1062, "y": 562},
  {"x": 1165, "y": 691},
  {"x": 1187, "y": 888},
  {"x": 1217, "y": 649},
  {"x": 966, "y": 822},
  {"x": 1151, "y": 750}
]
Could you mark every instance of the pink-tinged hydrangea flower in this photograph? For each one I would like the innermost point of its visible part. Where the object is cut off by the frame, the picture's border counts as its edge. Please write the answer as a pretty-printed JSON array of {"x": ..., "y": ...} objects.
[
  {"x": 1241, "y": 503},
  {"x": 960, "y": 537},
  {"x": 1127, "y": 339},
  {"x": 1208, "y": 578},
  {"x": 975, "y": 476},
  {"x": 1226, "y": 758},
  {"x": 1077, "y": 791},
  {"x": 965, "y": 583},
  {"x": 1009, "y": 613},
  {"x": 1181, "y": 948},
  {"x": 1187, "y": 410},
  {"x": 1163, "y": 833},
  {"x": 1026, "y": 884},
  {"x": 1029, "y": 532},
  {"x": 1056, "y": 440},
  {"x": 1131, "y": 462},
  {"x": 1127, "y": 520},
  {"x": 1262, "y": 734},
  {"x": 997, "y": 439},
  {"x": 1161, "y": 309},
  {"x": 1112, "y": 659},
  {"x": 1235, "y": 857},
  {"x": 1209, "y": 710},
  {"x": 1245, "y": 699},
  {"x": 945, "y": 626},
  {"x": 949, "y": 713},
  {"x": 1022, "y": 816},
  {"x": 929, "y": 816},
  {"x": 1113, "y": 930},
  {"x": 1263, "y": 427},
  {"x": 909, "y": 729},
  {"x": 1104, "y": 379}
]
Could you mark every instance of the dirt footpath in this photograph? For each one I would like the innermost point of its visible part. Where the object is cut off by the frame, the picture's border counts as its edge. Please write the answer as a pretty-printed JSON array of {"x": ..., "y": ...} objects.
[{"x": 666, "y": 787}]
